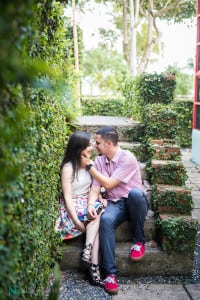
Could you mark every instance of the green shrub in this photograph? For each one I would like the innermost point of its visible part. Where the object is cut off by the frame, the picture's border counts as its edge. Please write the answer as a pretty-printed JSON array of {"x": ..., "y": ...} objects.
[
  {"x": 133, "y": 102},
  {"x": 160, "y": 121},
  {"x": 30, "y": 159},
  {"x": 156, "y": 88},
  {"x": 180, "y": 201},
  {"x": 171, "y": 173},
  {"x": 34, "y": 124},
  {"x": 178, "y": 234},
  {"x": 147, "y": 89},
  {"x": 102, "y": 106},
  {"x": 184, "y": 110}
]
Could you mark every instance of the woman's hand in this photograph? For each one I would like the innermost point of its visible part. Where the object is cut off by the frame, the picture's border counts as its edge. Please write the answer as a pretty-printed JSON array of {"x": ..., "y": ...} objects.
[
  {"x": 80, "y": 226},
  {"x": 91, "y": 212},
  {"x": 85, "y": 160}
]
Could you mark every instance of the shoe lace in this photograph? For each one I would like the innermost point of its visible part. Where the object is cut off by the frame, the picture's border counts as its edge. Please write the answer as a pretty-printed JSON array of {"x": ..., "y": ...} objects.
[
  {"x": 109, "y": 279},
  {"x": 136, "y": 247}
]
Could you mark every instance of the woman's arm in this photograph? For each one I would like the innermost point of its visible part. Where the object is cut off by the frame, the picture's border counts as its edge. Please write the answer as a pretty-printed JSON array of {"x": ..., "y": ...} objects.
[
  {"x": 107, "y": 182},
  {"x": 66, "y": 178},
  {"x": 93, "y": 196}
]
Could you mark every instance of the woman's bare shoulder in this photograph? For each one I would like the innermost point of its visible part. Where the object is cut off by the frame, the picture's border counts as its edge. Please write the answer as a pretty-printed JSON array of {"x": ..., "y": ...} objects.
[{"x": 67, "y": 168}]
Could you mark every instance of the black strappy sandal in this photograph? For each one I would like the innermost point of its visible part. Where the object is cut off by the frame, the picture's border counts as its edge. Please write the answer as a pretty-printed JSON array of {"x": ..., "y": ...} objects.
[
  {"x": 86, "y": 255},
  {"x": 94, "y": 275}
]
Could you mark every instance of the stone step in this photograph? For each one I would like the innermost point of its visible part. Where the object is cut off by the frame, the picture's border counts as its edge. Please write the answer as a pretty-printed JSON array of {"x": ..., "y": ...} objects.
[
  {"x": 172, "y": 199},
  {"x": 165, "y": 149},
  {"x": 123, "y": 232},
  {"x": 177, "y": 232},
  {"x": 169, "y": 172},
  {"x": 128, "y": 130},
  {"x": 155, "y": 262},
  {"x": 135, "y": 148}
]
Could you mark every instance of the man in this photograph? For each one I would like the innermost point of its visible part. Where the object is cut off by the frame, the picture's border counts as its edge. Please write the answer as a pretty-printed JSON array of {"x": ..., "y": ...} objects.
[{"x": 118, "y": 172}]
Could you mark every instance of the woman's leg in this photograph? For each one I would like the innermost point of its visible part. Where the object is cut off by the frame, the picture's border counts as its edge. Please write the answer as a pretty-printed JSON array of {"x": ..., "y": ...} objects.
[
  {"x": 92, "y": 229},
  {"x": 95, "y": 250}
]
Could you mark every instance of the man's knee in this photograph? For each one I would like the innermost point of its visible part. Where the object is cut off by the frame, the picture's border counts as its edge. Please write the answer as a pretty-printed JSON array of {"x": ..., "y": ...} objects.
[
  {"x": 136, "y": 194},
  {"x": 137, "y": 197},
  {"x": 106, "y": 221}
]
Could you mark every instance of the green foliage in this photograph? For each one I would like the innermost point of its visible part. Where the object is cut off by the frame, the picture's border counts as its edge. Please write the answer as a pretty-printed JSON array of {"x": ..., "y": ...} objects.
[
  {"x": 156, "y": 88},
  {"x": 54, "y": 292},
  {"x": 184, "y": 84},
  {"x": 102, "y": 106},
  {"x": 147, "y": 89},
  {"x": 178, "y": 234},
  {"x": 30, "y": 168},
  {"x": 184, "y": 81},
  {"x": 180, "y": 201},
  {"x": 177, "y": 14},
  {"x": 135, "y": 134},
  {"x": 133, "y": 103},
  {"x": 160, "y": 121},
  {"x": 105, "y": 70},
  {"x": 164, "y": 149},
  {"x": 36, "y": 116},
  {"x": 172, "y": 173},
  {"x": 184, "y": 110}
]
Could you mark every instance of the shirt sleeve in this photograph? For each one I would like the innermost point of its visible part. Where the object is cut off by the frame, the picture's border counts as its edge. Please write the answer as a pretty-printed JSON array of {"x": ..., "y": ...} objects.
[{"x": 126, "y": 169}]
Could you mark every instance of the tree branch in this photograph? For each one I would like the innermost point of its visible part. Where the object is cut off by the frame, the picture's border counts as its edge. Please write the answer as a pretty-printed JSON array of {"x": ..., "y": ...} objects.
[{"x": 169, "y": 7}]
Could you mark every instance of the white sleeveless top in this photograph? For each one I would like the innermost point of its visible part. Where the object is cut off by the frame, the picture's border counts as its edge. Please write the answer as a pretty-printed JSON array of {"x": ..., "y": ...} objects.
[{"x": 82, "y": 182}]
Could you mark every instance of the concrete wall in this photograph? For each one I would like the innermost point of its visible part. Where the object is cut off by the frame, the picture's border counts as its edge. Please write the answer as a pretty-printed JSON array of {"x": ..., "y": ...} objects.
[{"x": 196, "y": 146}]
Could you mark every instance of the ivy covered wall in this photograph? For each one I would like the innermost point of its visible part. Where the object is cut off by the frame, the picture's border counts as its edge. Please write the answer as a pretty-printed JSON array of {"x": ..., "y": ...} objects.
[{"x": 36, "y": 114}]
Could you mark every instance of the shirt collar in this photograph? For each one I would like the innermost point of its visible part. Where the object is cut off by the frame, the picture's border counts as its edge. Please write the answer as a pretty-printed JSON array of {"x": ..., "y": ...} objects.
[{"x": 115, "y": 157}]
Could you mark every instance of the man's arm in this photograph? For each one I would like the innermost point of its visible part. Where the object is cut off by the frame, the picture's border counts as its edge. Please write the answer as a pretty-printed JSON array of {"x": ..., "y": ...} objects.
[{"x": 107, "y": 182}]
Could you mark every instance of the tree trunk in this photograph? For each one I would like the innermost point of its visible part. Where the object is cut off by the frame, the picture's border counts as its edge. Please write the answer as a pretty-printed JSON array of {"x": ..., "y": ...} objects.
[
  {"x": 153, "y": 36},
  {"x": 125, "y": 32},
  {"x": 76, "y": 56},
  {"x": 134, "y": 6}
]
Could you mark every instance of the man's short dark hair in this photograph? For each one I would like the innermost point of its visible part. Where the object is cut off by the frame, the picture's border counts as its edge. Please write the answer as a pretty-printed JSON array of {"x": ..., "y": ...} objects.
[{"x": 108, "y": 133}]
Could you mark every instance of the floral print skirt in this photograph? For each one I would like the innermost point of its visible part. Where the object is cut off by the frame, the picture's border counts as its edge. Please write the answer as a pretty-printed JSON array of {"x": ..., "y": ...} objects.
[{"x": 64, "y": 224}]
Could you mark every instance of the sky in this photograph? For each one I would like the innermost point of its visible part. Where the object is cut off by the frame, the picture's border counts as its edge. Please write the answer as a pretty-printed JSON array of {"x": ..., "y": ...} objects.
[
  {"x": 179, "y": 40},
  {"x": 179, "y": 44}
]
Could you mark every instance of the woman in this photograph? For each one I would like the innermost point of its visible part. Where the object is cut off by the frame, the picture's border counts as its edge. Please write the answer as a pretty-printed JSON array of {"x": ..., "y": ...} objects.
[{"x": 73, "y": 221}]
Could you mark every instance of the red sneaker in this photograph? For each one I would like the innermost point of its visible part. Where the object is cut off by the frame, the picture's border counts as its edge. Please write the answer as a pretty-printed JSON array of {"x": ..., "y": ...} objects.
[
  {"x": 110, "y": 284},
  {"x": 137, "y": 251}
]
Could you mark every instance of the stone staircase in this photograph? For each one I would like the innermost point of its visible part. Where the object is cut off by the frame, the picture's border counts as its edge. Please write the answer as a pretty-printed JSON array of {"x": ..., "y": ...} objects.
[{"x": 156, "y": 261}]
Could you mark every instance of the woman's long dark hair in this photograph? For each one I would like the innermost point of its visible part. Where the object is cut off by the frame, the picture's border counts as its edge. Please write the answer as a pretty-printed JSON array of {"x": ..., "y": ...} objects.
[{"x": 76, "y": 144}]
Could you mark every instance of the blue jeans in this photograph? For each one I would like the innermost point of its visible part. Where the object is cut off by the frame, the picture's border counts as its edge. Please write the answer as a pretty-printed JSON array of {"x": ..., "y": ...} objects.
[{"x": 134, "y": 208}]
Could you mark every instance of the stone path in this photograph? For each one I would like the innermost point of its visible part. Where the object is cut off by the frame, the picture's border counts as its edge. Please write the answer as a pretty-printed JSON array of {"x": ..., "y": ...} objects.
[{"x": 193, "y": 182}]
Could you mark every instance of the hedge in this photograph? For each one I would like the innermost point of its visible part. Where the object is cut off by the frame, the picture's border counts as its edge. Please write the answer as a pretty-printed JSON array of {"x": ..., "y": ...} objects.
[
  {"x": 102, "y": 106},
  {"x": 147, "y": 89},
  {"x": 36, "y": 117},
  {"x": 184, "y": 110}
]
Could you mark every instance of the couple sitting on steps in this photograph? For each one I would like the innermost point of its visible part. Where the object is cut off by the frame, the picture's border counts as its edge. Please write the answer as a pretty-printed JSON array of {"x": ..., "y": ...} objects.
[{"x": 84, "y": 210}]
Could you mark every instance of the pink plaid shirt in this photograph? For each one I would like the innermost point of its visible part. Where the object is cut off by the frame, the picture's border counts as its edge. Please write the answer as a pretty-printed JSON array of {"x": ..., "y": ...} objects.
[{"x": 124, "y": 167}]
